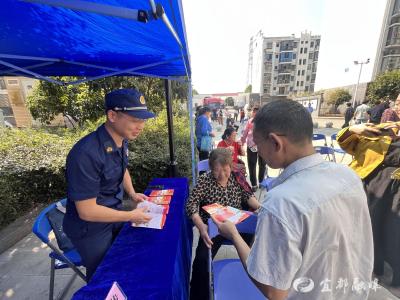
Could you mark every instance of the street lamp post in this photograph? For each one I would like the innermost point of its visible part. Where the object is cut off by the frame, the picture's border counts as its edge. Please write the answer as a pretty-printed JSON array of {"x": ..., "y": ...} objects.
[{"x": 361, "y": 63}]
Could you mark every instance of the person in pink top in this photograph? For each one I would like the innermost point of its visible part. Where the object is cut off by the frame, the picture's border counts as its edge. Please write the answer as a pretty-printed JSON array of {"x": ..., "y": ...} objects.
[{"x": 252, "y": 153}]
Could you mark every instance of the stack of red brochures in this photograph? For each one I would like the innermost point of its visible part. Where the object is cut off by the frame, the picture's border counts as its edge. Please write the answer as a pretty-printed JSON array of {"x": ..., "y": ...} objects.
[{"x": 157, "y": 208}]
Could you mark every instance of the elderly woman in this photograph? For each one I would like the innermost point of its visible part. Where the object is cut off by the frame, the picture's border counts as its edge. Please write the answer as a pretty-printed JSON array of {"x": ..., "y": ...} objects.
[
  {"x": 376, "y": 151},
  {"x": 220, "y": 185}
]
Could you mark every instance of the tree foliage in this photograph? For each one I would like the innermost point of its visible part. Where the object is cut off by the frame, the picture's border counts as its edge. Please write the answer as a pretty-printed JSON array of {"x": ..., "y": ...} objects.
[
  {"x": 248, "y": 89},
  {"x": 85, "y": 102},
  {"x": 337, "y": 97},
  {"x": 386, "y": 86}
]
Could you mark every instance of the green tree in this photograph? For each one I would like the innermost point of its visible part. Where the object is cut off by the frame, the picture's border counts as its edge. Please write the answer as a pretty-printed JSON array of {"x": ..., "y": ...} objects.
[
  {"x": 337, "y": 97},
  {"x": 85, "y": 102},
  {"x": 229, "y": 101},
  {"x": 195, "y": 92},
  {"x": 386, "y": 86},
  {"x": 248, "y": 89},
  {"x": 78, "y": 102}
]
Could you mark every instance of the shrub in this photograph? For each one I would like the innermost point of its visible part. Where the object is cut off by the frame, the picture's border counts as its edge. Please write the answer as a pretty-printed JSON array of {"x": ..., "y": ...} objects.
[{"x": 32, "y": 162}]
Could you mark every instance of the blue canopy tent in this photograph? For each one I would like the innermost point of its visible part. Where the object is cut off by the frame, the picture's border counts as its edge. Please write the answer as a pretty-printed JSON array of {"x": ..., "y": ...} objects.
[{"x": 96, "y": 39}]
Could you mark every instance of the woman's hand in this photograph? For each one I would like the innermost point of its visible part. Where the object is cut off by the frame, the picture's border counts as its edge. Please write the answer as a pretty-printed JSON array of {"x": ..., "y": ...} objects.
[
  {"x": 367, "y": 129},
  {"x": 204, "y": 235}
]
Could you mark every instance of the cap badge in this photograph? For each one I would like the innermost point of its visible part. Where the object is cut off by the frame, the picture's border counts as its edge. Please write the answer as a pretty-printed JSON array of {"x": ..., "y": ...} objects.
[{"x": 142, "y": 101}]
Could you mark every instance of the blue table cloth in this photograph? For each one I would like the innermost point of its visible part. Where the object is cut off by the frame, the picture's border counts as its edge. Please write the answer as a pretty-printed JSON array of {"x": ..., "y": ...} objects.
[{"x": 149, "y": 263}]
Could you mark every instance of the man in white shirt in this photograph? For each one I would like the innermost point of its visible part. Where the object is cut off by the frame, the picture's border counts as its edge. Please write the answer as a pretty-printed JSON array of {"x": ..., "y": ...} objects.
[
  {"x": 313, "y": 238},
  {"x": 361, "y": 113}
]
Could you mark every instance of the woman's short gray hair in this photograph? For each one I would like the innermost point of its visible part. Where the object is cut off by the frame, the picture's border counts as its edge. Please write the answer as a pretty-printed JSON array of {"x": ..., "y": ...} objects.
[{"x": 222, "y": 156}]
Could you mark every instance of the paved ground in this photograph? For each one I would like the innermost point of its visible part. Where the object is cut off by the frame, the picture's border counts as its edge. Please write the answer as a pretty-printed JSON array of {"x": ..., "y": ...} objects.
[{"x": 25, "y": 268}]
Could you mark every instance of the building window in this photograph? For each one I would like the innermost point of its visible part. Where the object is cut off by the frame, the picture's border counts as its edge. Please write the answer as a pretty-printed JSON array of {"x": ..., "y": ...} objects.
[
  {"x": 302, "y": 73},
  {"x": 276, "y": 67},
  {"x": 269, "y": 45},
  {"x": 312, "y": 44},
  {"x": 282, "y": 90},
  {"x": 304, "y": 61},
  {"x": 307, "y": 88},
  {"x": 301, "y": 50},
  {"x": 297, "y": 84},
  {"x": 277, "y": 56},
  {"x": 308, "y": 77},
  {"x": 291, "y": 78},
  {"x": 294, "y": 55},
  {"x": 298, "y": 73},
  {"x": 309, "y": 67},
  {"x": 305, "y": 50},
  {"x": 12, "y": 81},
  {"x": 299, "y": 61},
  {"x": 302, "y": 42},
  {"x": 291, "y": 89},
  {"x": 274, "y": 88},
  {"x": 302, "y": 83},
  {"x": 310, "y": 55},
  {"x": 306, "y": 42},
  {"x": 277, "y": 44}
]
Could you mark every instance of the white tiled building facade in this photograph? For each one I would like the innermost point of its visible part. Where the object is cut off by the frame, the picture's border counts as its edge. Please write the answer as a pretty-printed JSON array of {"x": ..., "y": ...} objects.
[
  {"x": 388, "y": 52},
  {"x": 282, "y": 66}
]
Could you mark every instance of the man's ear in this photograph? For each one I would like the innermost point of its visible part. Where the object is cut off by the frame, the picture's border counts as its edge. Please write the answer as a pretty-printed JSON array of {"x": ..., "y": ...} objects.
[
  {"x": 111, "y": 115},
  {"x": 277, "y": 141}
]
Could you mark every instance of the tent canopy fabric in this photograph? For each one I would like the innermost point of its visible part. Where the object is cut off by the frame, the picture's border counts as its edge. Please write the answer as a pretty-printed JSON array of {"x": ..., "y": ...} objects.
[{"x": 53, "y": 41}]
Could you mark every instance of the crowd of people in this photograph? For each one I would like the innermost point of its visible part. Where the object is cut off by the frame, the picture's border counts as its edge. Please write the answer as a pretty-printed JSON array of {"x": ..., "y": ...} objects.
[
  {"x": 320, "y": 221},
  {"x": 379, "y": 112}
]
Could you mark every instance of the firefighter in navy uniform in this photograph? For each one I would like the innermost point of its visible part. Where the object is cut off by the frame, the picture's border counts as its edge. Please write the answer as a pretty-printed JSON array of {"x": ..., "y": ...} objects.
[{"x": 97, "y": 177}]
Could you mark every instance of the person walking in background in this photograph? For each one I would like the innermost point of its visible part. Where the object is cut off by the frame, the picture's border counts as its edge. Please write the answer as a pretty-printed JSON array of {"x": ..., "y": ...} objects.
[
  {"x": 220, "y": 117},
  {"x": 242, "y": 114},
  {"x": 203, "y": 129},
  {"x": 361, "y": 113},
  {"x": 348, "y": 115},
  {"x": 252, "y": 154},
  {"x": 310, "y": 108},
  {"x": 235, "y": 115}
]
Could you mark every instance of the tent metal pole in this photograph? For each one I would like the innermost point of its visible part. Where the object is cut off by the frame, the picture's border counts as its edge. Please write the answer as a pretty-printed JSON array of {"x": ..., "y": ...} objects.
[
  {"x": 190, "y": 101},
  {"x": 93, "y": 7},
  {"x": 172, "y": 168},
  {"x": 11, "y": 71},
  {"x": 3, "y": 55},
  {"x": 30, "y": 72},
  {"x": 124, "y": 71}
]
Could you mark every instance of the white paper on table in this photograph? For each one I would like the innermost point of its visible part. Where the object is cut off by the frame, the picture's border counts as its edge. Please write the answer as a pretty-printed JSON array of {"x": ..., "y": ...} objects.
[
  {"x": 157, "y": 222},
  {"x": 152, "y": 207}
]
